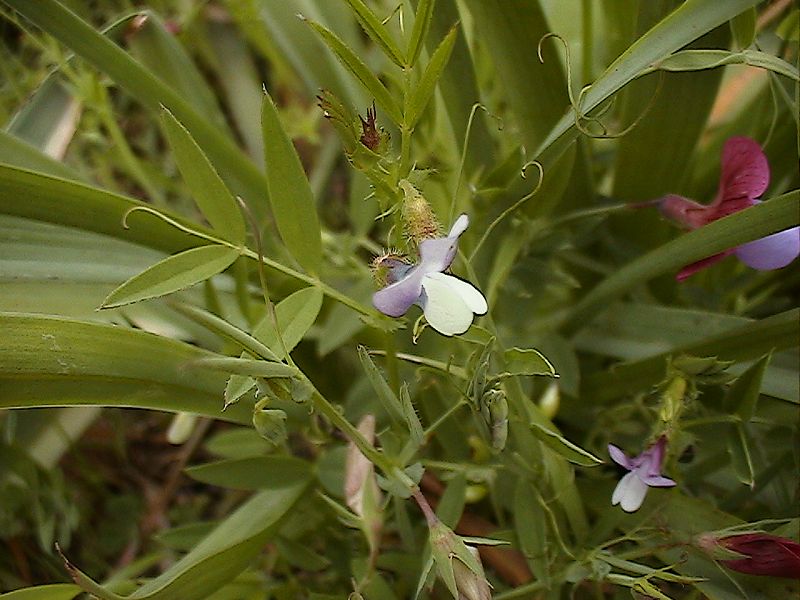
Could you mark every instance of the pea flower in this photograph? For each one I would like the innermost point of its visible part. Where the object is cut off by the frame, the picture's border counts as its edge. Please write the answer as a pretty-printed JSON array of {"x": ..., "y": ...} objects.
[
  {"x": 645, "y": 471},
  {"x": 449, "y": 303},
  {"x": 758, "y": 553},
  {"x": 744, "y": 178}
]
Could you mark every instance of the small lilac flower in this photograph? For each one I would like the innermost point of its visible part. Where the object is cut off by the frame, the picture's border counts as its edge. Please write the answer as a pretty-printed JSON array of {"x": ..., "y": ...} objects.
[
  {"x": 448, "y": 302},
  {"x": 645, "y": 471},
  {"x": 745, "y": 177}
]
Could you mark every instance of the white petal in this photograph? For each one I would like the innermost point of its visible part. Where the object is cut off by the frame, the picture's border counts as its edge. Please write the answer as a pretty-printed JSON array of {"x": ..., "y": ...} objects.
[
  {"x": 630, "y": 492},
  {"x": 468, "y": 292},
  {"x": 460, "y": 226},
  {"x": 444, "y": 308}
]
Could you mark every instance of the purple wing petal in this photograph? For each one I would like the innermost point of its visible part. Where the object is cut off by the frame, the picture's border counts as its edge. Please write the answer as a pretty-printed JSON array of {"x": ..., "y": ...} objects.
[
  {"x": 771, "y": 252},
  {"x": 745, "y": 174},
  {"x": 618, "y": 456},
  {"x": 394, "y": 300},
  {"x": 658, "y": 481}
]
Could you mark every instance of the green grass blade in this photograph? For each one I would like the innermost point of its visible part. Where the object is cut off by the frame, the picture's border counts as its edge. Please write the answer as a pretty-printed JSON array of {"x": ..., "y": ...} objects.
[
  {"x": 360, "y": 71},
  {"x": 52, "y": 361},
  {"x": 212, "y": 196},
  {"x": 377, "y": 31},
  {"x": 251, "y": 473},
  {"x": 64, "y": 25},
  {"x": 174, "y": 273},
  {"x": 290, "y": 193},
  {"x": 248, "y": 367},
  {"x": 20, "y": 153},
  {"x": 56, "y": 591},
  {"x": 764, "y": 219}
]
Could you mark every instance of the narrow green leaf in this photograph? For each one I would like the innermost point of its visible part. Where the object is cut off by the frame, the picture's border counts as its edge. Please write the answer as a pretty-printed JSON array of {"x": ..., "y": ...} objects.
[
  {"x": 221, "y": 327},
  {"x": 290, "y": 193},
  {"x": 78, "y": 35},
  {"x": 172, "y": 274},
  {"x": 20, "y": 153},
  {"x": 527, "y": 361},
  {"x": 422, "y": 22},
  {"x": 360, "y": 71},
  {"x": 452, "y": 502},
  {"x": 743, "y": 28},
  {"x": 427, "y": 85},
  {"x": 52, "y": 361},
  {"x": 697, "y": 60},
  {"x": 252, "y": 473},
  {"x": 385, "y": 394},
  {"x": 411, "y": 418},
  {"x": 245, "y": 366},
  {"x": 564, "y": 447},
  {"x": 739, "y": 449},
  {"x": 530, "y": 526},
  {"x": 56, "y": 591},
  {"x": 742, "y": 396},
  {"x": 237, "y": 386},
  {"x": 751, "y": 224},
  {"x": 227, "y": 550},
  {"x": 376, "y": 31},
  {"x": 295, "y": 314},
  {"x": 212, "y": 196}
]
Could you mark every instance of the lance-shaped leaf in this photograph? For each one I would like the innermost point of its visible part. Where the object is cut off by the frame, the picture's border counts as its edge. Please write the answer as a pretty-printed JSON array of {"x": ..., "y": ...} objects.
[
  {"x": 220, "y": 556},
  {"x": 564, "y": 447},
  {"x": 422, "y": 22},
  {"x": 385, "y": 394},
  {"x": 252, "y": 473},
  {"x": 289, "y": 192},
  {"x": 212, "y": 196},
  {"x": 527, "y": 361},
  {"x": 172, "y": 274},
  {"x": 56, "y": 591},
  {"x": 739, "y": 450},
  {"x": 360, "y": 71},
  {"x": 295, "y": 315},
  {"x": 742, "y": 396},
  {"x": 377, "y": 31},
  {"x": 246, "y": 366},
  {"x": 427, "y": 85}
]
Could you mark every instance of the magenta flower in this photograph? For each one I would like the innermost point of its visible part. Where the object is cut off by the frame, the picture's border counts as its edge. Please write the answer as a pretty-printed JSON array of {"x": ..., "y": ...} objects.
[
  {"x": 645, "y": 471},
  {"x": 745, "y": 177},
  {"x": 449, "y": 303}
]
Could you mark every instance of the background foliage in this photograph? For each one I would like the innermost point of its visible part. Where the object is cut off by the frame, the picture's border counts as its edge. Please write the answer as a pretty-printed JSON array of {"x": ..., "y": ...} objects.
[{"x": 167, "y": 163}]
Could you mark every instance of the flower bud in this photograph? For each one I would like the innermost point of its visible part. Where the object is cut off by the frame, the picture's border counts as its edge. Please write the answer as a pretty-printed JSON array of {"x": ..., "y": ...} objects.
[
  {"x": 270, "y": 423},
  {"x": 389, "y": 268},
  {"x": 754, "y": 553},
  {"x": 361, "y": 492},
  {"x": 457, "y": 564},
  {"x": 418, "y": 219},
  {"x": 471, "y": 586}
]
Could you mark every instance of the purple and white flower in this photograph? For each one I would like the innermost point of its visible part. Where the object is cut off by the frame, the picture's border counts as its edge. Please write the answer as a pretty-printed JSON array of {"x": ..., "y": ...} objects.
[
  {"x": 449, "y": 303},
  {"x": 744, "y": 178},
  {"x": 645, "y": 471}
]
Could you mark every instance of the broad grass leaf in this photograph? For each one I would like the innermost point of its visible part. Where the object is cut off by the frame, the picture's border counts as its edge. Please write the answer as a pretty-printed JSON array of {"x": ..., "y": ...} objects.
[
  {"x": 53, "y": 361},
  {"x": 20, "y": 153},
  {"x": 289, "y": 191},
  {"x": 377, "y": 31},
  {"x": 174, "y": 273},
  {"x": 423, "y": 91},
  {"x": 252, "y": 473},
  {"x": 744, "y": 226},
  {"x": 360, "y": 71},
  {"x": 209, "y": 192}
]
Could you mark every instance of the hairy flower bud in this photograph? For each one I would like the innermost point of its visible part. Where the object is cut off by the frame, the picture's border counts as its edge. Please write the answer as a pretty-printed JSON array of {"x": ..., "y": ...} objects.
[
  {"x": 418, "y": 219},
  {"x": 388, "y": 268}
]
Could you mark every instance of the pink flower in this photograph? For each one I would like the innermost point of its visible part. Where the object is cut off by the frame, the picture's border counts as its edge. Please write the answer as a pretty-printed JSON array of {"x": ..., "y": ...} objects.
[
  {"x": 645, "y": 471},
  {"x": 745, "y": 177}
]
